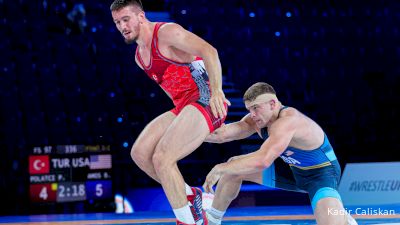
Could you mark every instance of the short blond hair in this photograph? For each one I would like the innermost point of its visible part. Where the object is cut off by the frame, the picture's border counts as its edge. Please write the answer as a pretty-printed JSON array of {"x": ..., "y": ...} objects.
[{"x": 256, "y": 90}]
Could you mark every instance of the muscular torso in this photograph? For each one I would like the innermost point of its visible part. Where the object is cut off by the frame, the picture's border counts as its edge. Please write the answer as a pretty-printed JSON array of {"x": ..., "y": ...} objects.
[
  {"x": 308, "y": 136},
  {"x": 169, "y": 52},
  {"x": 181, "y": 75},
  {"x": 306, "y": 145}
]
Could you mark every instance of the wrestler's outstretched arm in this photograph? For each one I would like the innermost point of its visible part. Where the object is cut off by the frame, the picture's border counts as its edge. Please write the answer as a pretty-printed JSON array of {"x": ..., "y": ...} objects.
[
  {"x": 281, "y": 133},
  {"x": 233, "y": 131}
]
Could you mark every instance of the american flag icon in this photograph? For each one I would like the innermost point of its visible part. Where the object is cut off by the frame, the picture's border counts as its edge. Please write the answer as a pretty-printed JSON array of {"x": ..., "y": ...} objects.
[{"x": 100, "y": 162}]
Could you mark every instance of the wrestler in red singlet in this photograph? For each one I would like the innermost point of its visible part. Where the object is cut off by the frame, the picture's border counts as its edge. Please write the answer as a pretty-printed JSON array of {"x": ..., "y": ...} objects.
[{"x": 185, "y": 83}]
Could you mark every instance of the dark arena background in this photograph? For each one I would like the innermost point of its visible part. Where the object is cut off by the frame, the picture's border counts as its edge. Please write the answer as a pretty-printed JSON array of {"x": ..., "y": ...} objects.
[{"x": 73, "y": 101}]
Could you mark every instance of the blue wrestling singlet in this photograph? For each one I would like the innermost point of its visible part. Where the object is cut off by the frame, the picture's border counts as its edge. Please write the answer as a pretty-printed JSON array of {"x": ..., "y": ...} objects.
[{"x": 316, "y": 171}]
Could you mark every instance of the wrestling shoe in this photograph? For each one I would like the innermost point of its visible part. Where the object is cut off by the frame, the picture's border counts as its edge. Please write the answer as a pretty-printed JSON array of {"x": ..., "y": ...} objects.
[
  {"x": 196, "y": 207},
  {"x": 181, "y": 223}
]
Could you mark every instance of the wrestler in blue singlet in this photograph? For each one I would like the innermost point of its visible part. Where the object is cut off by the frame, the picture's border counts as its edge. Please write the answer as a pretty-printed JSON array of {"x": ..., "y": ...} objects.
[{"x": 316, "y": 171}]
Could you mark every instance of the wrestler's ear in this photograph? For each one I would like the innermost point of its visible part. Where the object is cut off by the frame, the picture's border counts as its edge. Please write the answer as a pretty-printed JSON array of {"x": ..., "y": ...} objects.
[
  {"x": 141, "y": 16},
  {"x": 272, "y": 103}
]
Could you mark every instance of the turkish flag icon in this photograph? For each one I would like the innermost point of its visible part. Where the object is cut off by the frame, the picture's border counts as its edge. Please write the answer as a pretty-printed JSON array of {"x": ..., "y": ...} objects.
[{"x": 39, "y": 164}]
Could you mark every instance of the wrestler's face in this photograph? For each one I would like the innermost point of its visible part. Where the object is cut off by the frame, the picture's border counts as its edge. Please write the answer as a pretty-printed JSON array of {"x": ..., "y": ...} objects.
[
  {"x": 127, "y": 20},
  {"x": 260, "y": 112}
]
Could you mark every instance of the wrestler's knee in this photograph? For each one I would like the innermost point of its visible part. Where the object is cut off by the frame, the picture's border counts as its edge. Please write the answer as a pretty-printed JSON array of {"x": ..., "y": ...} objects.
[
  {"x": 330, "y": 213},
  {"x": 141, "y": 155},
  {"x": 328, "y": 207},
  {"x": 160, "y": 162}
]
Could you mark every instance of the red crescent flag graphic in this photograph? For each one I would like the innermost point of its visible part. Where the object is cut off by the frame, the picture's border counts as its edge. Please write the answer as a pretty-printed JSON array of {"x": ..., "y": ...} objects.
[{"x": 39, "y": 164}]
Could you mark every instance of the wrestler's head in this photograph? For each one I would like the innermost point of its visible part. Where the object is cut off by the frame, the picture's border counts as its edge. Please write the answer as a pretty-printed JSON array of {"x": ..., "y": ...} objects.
[
  {"x": 128, "y": 16},
  {"x": 261, "y": 101}
]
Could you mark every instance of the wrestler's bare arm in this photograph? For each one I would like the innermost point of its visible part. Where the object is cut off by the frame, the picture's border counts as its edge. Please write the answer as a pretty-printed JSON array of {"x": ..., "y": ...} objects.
[
  {"x": 280, "y": 135},
  {"x": 233, "y": 131},
  {"x": 176, "y": 36}
]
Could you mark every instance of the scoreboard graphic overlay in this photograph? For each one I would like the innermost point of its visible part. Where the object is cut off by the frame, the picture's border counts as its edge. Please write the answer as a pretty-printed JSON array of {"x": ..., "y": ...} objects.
[{"x": 70, "y": 173}]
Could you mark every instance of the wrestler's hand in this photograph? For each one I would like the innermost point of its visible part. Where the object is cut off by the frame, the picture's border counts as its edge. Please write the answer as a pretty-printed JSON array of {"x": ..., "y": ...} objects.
[
  {"x": 217, "y": 101},
  {"x": 212, "y": 178}
]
